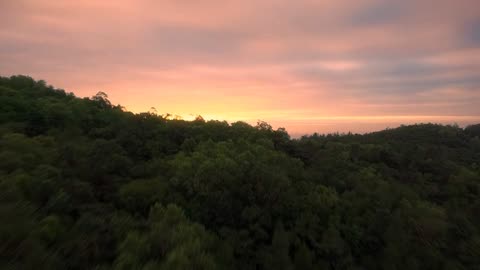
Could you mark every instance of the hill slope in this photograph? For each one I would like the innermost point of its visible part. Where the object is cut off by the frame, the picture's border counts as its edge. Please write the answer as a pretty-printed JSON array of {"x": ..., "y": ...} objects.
[{"x": 86, "y": 185}]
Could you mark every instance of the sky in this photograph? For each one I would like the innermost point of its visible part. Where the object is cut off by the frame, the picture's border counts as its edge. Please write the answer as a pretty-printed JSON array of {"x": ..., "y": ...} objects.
[{"x": 308, "y": 66}]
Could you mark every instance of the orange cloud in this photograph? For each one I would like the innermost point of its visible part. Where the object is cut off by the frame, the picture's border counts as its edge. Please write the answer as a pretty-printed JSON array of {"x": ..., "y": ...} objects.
[{"x": 307, "y": 65}]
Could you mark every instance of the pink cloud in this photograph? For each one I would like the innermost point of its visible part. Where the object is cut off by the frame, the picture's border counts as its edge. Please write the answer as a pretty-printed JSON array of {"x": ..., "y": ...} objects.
[{"x": 270, "y": 60}]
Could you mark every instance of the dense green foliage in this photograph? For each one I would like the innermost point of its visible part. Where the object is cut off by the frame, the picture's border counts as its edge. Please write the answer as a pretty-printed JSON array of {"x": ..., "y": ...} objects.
[{"x": 87, "y": 185}]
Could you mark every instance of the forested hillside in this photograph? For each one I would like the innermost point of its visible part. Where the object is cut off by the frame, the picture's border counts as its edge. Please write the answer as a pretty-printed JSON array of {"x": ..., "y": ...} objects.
[{"x": 85, "y": 184}]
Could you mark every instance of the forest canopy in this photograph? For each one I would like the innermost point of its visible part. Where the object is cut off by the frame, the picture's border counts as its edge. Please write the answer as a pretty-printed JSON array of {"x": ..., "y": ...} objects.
[{"x": 85, "y": 184}]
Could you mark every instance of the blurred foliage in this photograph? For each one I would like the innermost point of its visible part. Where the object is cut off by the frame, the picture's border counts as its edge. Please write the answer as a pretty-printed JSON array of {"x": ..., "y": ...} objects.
[{"x": 86, "y": 185}]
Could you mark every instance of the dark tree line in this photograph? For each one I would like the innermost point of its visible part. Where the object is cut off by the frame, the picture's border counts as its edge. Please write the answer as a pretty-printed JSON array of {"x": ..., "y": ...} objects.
[{"x": 85, "y": 184}]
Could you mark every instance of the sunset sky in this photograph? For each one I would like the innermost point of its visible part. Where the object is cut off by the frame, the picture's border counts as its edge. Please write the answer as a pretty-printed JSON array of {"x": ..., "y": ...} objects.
[{"x": 325, "y": 66}]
